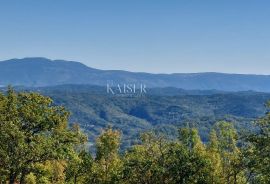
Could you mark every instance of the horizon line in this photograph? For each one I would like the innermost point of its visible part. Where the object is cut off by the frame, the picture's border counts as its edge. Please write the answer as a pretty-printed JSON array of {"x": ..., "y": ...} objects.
[{"x": 124, "y": 70}]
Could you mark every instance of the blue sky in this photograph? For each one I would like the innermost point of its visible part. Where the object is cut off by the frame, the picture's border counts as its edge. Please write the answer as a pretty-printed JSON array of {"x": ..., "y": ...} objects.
[{"x": 158, "y": 36}]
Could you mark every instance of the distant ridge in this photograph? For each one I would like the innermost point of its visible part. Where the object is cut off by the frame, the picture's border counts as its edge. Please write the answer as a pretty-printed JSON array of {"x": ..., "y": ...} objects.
[{"x": 38, "y": 72}]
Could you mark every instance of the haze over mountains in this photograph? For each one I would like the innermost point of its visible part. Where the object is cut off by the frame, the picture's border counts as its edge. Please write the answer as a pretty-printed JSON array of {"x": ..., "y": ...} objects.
[
  {"x": 172, "y": 100},
  {"x": 37, "y": 72}
]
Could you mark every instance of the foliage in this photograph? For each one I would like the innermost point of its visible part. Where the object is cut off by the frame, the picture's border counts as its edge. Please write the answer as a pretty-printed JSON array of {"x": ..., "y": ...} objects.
[
  {"x": 107, "y": 167},
  {"x": 258, "y": 151},
  {"x": 37, "y": 147},
  {"x": 32, "y": 132},
  {"x": 162, "y": 110}
]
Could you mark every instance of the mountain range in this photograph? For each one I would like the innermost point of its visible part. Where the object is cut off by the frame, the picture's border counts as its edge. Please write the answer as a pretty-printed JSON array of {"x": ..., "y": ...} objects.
[
  {"x": 41, "y": 72},
  {"x": 171, "y": 101}
]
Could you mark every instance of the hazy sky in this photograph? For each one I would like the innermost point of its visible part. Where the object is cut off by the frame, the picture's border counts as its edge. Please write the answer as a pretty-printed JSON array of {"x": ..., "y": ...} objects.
[{"x": 159, "y": 36}]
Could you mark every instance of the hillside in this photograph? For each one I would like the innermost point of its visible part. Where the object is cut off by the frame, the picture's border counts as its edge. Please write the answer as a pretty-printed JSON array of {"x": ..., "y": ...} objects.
[
  {"x": 93, "y": 109},
  {"x": 37, "y": 72}
]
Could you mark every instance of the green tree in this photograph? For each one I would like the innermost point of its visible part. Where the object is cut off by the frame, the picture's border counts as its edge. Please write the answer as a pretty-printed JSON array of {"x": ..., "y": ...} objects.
[
  {"x": 196, "y": 157},
  {"x": 161, "y": 161},
  {"x": 258, "y": 152},
  {"x": 233, "y": 167},
  {"x": 32, "y": 131},
  {"x": 215, "y": 159},
  {"x": 145, "y": 163},
  {"x": 78, "y": 169},
  {"x": 107, "y": 167}
]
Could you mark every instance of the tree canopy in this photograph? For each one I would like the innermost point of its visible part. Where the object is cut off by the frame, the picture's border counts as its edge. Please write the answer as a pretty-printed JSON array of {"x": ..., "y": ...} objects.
[{"x": 37, "y": 146}]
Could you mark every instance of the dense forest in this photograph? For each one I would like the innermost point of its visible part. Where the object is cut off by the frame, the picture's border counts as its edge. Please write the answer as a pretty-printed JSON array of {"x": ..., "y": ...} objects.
[
  {"x": 161, "y": 110},
  {"x": 38, "y": 146}
]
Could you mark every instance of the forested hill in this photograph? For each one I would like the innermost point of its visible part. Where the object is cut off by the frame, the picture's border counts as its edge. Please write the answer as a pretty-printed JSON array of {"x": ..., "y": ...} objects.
[
  {"x": 164, "y": 110},
  {"x": 38, "y": 146},
  {"x": 45, "y": 72}
]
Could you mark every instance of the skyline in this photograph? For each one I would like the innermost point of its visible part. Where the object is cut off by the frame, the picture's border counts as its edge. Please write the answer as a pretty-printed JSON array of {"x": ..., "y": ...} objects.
[
  {"x": 55, "y": 60},
  {"x": 152, "y": 36}
]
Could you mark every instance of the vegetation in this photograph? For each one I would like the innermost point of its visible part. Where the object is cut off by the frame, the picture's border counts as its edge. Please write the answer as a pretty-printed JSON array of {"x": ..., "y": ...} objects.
[
  {"x": 37, "y": 146},
  {"x": 161, "y": 110}
]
